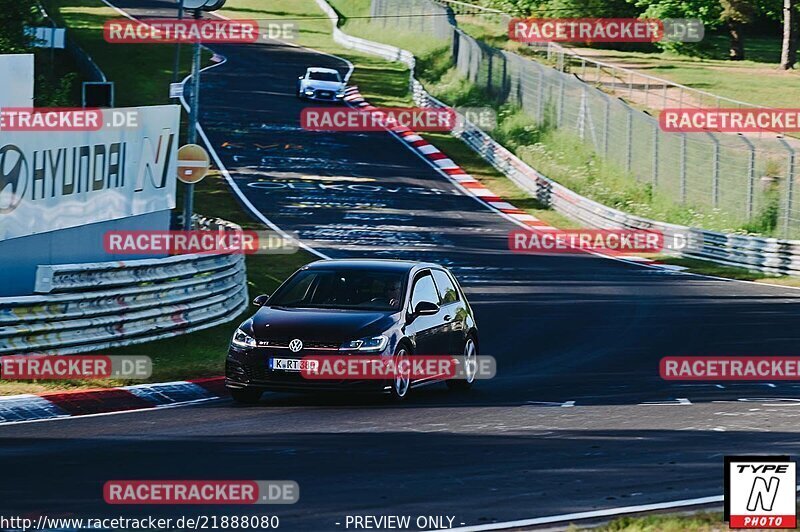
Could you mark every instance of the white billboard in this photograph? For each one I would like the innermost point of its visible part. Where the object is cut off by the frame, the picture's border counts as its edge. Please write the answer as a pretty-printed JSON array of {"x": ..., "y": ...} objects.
[
  {"x": 53, "y": 180},
  {"x": 16, "y": 73}
]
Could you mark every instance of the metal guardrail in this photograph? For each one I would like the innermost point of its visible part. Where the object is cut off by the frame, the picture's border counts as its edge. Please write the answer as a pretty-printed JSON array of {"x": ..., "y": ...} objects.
[
  {"x": 670, "y": 93},
  {"x": 736, "y": 181},
  {"x": 768, "y": 255},
  {"x": 93, "y": 306}
]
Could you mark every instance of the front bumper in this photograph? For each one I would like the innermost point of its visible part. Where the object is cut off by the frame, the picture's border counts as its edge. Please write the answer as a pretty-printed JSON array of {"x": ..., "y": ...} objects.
[
  {"x": 250, "y": 370},
  {"x": 323, "y": 96}
]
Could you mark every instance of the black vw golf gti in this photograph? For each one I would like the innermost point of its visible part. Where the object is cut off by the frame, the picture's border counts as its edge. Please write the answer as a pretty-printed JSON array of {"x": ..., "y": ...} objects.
[{"x": 350, "y": 308}]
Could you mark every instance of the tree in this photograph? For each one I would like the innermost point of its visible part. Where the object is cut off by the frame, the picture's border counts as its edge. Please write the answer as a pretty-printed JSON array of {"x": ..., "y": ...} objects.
[
  {"x": 708, "y": 11},
  {"x": 14, "y": 16},
  {"x": 789, "y": 48},
  {"x": 735, "y": 14}
]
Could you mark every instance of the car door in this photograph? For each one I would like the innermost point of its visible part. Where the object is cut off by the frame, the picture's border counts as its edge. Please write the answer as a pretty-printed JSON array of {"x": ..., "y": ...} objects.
[
  {"x": 428, "y": 332},
  {"x": 454, "y": 312}
]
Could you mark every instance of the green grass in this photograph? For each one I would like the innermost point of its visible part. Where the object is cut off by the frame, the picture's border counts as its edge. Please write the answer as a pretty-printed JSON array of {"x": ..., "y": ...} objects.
[
  {"x": 141, "y": 72},
  {"x": 728, "y": 272},
  {"x": 730, "y": 79},
  {"x": 143, "y": 78},
  {"x": 201, "y": 354},
  {"x": 696, "y": 522},
  {"x": 496, "y": 181},
  {"x": 707, "y": 69},
  {"x": 382, "y": 82}
]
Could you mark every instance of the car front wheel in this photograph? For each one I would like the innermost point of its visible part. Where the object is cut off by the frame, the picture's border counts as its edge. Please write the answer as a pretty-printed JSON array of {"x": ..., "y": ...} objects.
[
  {"x": 401, "y": 383},
  {"x": 470, "y": 367}
]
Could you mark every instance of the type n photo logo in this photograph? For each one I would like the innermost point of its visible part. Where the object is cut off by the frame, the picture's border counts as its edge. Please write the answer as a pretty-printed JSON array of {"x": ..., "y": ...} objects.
[{"x": 760, "y": 492}]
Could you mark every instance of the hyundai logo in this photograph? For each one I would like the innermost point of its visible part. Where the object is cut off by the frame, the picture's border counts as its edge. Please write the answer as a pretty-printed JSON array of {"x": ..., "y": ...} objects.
[
  {"x": 295, "y": 345},
  {"x": 13, "y": 177}
]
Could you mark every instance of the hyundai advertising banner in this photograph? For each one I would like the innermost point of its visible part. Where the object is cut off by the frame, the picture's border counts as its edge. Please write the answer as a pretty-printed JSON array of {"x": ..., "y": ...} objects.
[{"x": 91, "y": 166}]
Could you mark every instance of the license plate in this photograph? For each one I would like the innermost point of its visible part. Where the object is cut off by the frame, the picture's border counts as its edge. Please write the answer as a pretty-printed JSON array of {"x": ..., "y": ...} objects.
[
  {"x": 293, "y": 364},
  {"x": 325, "y": 94}
]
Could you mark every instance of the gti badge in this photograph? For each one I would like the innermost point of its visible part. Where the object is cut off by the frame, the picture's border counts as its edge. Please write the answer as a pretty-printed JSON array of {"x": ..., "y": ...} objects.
[{"x": 295, "y": 345}]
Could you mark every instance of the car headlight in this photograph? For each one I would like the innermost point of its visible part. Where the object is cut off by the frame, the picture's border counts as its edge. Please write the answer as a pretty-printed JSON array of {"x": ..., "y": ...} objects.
[
  {"x": 368, "y": 345},
  {"x": 242, "y": 339},
  {"x": 309, "y": 92}
]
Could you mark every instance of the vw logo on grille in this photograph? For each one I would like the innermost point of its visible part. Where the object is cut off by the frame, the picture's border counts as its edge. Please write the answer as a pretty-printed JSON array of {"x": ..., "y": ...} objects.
[{"x": 295, "y": 345}]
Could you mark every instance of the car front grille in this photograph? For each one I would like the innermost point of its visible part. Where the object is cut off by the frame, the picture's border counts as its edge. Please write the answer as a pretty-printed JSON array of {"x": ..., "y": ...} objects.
[
  {"x": 326, "y": 95},
  {"x": 307, "y": 346}
]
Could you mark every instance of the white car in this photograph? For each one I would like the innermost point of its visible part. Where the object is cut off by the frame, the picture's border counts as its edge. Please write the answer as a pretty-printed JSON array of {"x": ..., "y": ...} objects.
[{"x": 321, "y": 84}]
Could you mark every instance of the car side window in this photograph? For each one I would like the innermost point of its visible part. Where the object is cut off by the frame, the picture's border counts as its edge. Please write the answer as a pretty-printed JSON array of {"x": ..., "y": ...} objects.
[
  {"x": 447, "y": 290},
  {"x": 424, "y": 290}
]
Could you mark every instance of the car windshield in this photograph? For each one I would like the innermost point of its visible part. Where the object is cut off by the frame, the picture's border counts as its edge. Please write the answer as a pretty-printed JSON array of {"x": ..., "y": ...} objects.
[
  {"x": 324, "y": 76},
  {"x": 342, "y": 289}
]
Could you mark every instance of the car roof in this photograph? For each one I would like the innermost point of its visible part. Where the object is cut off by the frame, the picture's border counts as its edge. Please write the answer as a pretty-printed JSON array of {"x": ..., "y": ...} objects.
[
  {"x": 320, "y": 69},
  {"x": 389, "y": 265}
]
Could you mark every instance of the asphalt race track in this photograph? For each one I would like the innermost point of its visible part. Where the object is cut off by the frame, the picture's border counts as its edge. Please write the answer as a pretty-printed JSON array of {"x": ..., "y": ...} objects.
[{"x": 577, "y": 419}]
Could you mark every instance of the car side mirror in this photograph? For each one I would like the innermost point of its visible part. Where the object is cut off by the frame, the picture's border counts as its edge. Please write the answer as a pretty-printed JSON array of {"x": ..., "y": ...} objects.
[
  {"x": 261, "y": 300},
  {"x": 301, "y": 77},
  {"x": 426, "y": 308}
]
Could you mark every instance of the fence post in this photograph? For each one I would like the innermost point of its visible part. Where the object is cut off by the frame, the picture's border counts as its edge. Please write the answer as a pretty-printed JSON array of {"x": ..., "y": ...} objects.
[
  {"x": 629, "y": 142},
  {"x": 787, "y": 210},
  {"x": 560, "y": 101},
  {"x": 489, "y": 68},
  {"x": 582, "y": 115},
  {"x": 630, "y": 85},
  {"x": 715, "y": 172},
  {"x": 751, "y": 177},
  {"x": 683, "y": 168},
  {"x": 605, "y": 126},
  {"x": 540, "y": 97},
  {"x": 655, "y": 154}
]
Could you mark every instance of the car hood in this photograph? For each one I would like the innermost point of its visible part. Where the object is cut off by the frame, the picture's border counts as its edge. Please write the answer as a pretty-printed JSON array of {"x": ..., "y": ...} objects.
[
  {"x": 281, "y": 323},
  {"x": 324, "y": 85}
]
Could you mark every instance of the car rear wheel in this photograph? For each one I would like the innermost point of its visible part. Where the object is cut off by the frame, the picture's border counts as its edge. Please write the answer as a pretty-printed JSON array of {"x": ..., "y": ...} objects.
[
  {"x": 470, "y": 367},
  {"x": 246, "y": 396},
  {"x": 401, "y": 383}
]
